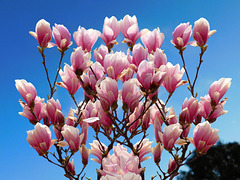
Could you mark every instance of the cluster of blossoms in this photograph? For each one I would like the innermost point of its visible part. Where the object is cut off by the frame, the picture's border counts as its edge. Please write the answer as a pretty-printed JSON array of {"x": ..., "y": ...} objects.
[{"x": 139, "y": 72}]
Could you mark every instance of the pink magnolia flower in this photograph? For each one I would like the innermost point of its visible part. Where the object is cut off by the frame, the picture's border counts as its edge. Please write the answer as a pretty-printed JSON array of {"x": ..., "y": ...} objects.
[
  {"x": 218, "y": 89},
  {"x": 157, "y": 152},
  {"x": 62, "y": 37},
  {"x": 130, "y": 94},
  {"x": 97, "y": 150},
  {"x": 146, "y": 120},
  {"x": 90, "y": 111},
  {"x": 181, "y": 35},
  {"x": 111, "y": 29},
  {"x": 40, "y": 139},
  {"x": 84, "y": 131},
  {"x": 85, "y": 38},
  {"x": 144, "y": 148},
  {"x": 127, "y": 176},
  {"x": 115, "y": 63},
  {"x": 107, "y": 91},
  {"x": 80, "y": 61},
  {"x": 132, "y": 118},
  {"x": 71, "y": 167},
  {"x": 105, "y": 120},
  {"x": 100, "y": 53},
  {"x": 129, "y": 29},
  {"x": 204, "y": 137},
  {"x": 171, "y": 133},
  {"x": 38, "y": 110},
  {"x": 201, "y": 31},
  {"x": 126, "y": 74},
  {"x": 147, "y": 76},
  {"x": 85, "y": 153},
  {"x": 173, "y": 77},
  {"x": 159, "y": 58},
  {"x": 152, "y": 40},
  {"x": 54, "y": 112},
  {"x": 189, "y": 111},
  {"x": 120, "y": 163},
  {"x": 157, "y": 121},
  {"x": 206, "y": 109},
  {"x": 139, "y": 53},
  {"x": 27, "y": 91},
  {"x": 42, "y": 33},
  {"x": 171, "y": 165},
  {"x": 98, "y": 70},
  {"x": 70, "y": 80},
  {"x": 71, "y": 135},
  {"x": 71, "y": 119},
  {"x": 172, "y": 118}
]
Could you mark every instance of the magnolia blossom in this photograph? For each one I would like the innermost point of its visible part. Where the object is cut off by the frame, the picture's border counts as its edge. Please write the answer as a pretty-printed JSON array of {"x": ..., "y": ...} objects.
[
  {"x": 181, "y": 35},
  {"x": 100, "y": 53},
  {"x": 146, "y": 120},
  {"x": 70, "y": 80},
  {"x": 170, "y": 135},
  {"x": 42, "y": 33},
  {"x": 218, "y": 89},
  {"x": 147, "y": 76},
  {"x": 53, "y": 111},
  {"x": 132, "y": 118},
  {"x": 96, "y": 72},
  {"x": 115, "y": 63},
  {"x": 107, "y": 91},
  {"x": 157, "y": 152},
  {"x": 172, "y": 118},
  {"x": 127, "y": 176},
  {"x": 27, "y": 91},
  {"x": 139, "y": 53},
  {"x": 85, "y": 153},
  {"x": 80, "y": 61},
  {"x": 104, "y": 119},
  {"x": 171, "y": 165},
  {"x": 126, "y": 74},
  {"x": 158, "y": 57},
  {"x": 189, "y": 111},
  {"x": 38, "y": 110},
  {"x": 40, "y": 139},
  {"x": 206, "y": 109},
  {"x": 84, "y": 131},
  {"x": 111, "y": 29},
  {"x": 130, "y": 94},
  {"x": 71, "y": 167},
  {"x": 129, "y": 29},
  {"x": 71, "y": 135},
  {"x": 120, "y": 163},
  {"x": 152, "y": 40},
  {"x": 144, "y": 148},
  {"x": 201, "y": 31},
  {"x": 85, "y": 38},
  {"x": 71, "y": 119},
  {"x": 173, "y": 77},
  {"x": 204, "y": 137},
  {"x": 97, "y": 150},
  {"x": 62, "y": 37}
]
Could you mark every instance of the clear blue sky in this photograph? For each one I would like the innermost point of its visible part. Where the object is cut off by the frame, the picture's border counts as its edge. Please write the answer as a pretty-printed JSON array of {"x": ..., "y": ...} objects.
[{"x": 20, "y": 60}]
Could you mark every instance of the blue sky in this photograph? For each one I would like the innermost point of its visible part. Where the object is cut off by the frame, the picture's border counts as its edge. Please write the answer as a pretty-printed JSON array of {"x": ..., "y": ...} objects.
[{"x": 20, "y": 60}]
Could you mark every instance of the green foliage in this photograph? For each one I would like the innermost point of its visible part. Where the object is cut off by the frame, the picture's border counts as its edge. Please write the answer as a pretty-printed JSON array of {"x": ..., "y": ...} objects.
[{"x": 222, "y": 162}]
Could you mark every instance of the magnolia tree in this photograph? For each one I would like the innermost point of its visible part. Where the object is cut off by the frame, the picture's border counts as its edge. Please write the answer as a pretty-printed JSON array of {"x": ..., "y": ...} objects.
[{"x": 121, "y": 100}]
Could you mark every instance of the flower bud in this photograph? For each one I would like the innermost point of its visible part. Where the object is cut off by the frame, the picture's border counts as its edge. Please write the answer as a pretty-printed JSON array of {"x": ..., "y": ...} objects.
[
  {"x": 201, "y": 31},
  {"x": 42, "y": 33}
]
